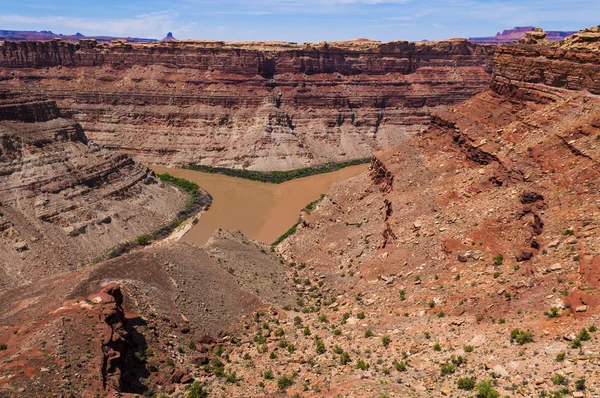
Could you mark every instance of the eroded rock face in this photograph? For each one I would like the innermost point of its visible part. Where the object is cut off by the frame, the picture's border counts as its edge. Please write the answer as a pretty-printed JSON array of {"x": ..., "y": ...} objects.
[
  {"x": 64, "y": 202},
  {"x": 512, "y": 171},
  {"x": 257, "y": 105}
]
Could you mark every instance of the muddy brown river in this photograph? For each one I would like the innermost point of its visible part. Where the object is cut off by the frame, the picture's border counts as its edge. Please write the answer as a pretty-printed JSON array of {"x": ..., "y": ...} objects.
[{"x": 261, "y": 211}]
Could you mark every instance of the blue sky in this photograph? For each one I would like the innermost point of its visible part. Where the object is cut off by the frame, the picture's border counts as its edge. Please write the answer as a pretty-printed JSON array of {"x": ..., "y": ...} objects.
[{"x": 296, "y": 20}]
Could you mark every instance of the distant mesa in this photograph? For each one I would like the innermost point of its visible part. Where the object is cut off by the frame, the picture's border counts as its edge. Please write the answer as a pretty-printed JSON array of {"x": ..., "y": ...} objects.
[
  {"x": 43, "y": 35},
  {"x": 169, "y": 37},
  {"x": 518, "y": 33}
]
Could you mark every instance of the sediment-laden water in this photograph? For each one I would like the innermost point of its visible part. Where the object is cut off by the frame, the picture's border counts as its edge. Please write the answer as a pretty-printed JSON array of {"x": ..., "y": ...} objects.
[{"x": 261, "y": 211}]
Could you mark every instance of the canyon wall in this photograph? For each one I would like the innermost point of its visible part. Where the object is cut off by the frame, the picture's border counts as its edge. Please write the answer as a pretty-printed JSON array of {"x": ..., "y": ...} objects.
[
  {"x": 512, "y": 171},
  {"x": 63, "y": 201},
  {"x": 261, "y": 106}
]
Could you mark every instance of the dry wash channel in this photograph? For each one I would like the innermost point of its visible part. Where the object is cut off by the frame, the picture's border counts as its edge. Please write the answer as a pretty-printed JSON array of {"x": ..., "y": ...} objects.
[{"x": 261, "y": 211}]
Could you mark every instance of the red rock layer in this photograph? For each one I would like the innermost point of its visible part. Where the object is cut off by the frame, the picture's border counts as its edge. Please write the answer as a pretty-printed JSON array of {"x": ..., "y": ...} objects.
[
  {"x": 512, "y": 171},
  {"x": 64, "y": 202},
  {"x": 257, "y": 105}
]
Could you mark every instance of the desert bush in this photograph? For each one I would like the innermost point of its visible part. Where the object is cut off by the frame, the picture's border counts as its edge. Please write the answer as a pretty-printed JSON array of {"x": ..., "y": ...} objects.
[
  {"x": 400, "y": 366},
  {"x": 485, "y": 390},
  {"x": 196, "y": 390},
  {"x": 521, "y": 337},
  {"x": 284, "y": 382},
  {"x": 466, "y": 383},
  {"x": 553, "y": 313},
  {"x": 344, "y": 358},
  {"x": 385, "y": 340},
  {"x": 362, "y": 365}
]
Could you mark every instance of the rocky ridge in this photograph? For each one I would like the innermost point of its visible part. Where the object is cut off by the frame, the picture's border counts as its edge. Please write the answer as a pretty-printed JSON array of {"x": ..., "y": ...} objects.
[
  {"x": 280, "y": 105},
  {"x": 63, "y": 201}
]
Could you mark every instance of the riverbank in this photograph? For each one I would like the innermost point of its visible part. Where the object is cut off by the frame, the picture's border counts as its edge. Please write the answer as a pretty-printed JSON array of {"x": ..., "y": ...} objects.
[
  {"x": 261, "y": 211},
  {"x": 200, "y": 201},
  {"x": 277, "y": 177}
]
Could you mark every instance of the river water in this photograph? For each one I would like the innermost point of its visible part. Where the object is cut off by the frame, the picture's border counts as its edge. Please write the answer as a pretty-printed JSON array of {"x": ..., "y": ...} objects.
[{"x": 261, "y": 211}]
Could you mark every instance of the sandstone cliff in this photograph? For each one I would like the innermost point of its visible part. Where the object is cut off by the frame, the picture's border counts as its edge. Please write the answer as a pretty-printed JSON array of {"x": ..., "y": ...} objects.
[
  {"x": 64, "y": 202},
  {"x": 262, "y": 106}
]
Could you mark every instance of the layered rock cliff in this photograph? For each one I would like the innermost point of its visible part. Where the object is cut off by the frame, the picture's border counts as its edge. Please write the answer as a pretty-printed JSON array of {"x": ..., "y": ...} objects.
[
  {"x": 485, "y": 223},
  {"x": 257, "y": 105},
  {"x": 64, "y": 201}
]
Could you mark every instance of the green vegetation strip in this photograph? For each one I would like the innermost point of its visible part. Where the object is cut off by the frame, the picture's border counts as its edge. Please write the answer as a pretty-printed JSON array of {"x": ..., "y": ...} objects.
[
  {"x": 199, "y": 200},
  {"x": 311, "y": 206},
  {"x": 277, "y": 177}
]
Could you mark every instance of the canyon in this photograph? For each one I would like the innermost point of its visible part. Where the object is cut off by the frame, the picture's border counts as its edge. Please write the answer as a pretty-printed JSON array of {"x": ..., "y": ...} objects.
[
  {"x": 260, "y": 106},
  {"x": 463, "y": 262}
]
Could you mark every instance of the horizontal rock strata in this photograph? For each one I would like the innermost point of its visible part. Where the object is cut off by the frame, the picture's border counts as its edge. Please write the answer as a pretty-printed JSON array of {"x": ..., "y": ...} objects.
[{"x": 262, "y": 106}]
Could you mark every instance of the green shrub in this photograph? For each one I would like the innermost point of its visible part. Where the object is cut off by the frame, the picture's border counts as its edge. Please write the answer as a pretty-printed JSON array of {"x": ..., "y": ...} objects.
[
  {"x": 3, "y": 347},
  {"x": 521, "y": 337},
  {"x": 559, "y": 380},
  {"x": 485, "y": 390},
  {"x": 553, "y": 313},
  {"x": 231, "y": 377},
  {"x": 284, "y": 382},
  {"x": 306, "y": 331},
  {"x": 291, "y": 348},
  {"x": 447, "y": 369},
  {"x": 400, "y": 366},
  {"x": 279, "y": 332},
  {"x": 320, "y": 346},
  {"x": 498, "y": 260},
  {"x": 469, "y": 348},
  {"x": 268, "y": 374},
  {"x": 584, "y": 335},
  {"x": 344, "y": 358},
  {"x": 437, "y": 347},
  {"x": 362, "y": 365},
  {"x": 196, "y": 390},
  {"x": 580, "y": 384},
  {"x": 592, "y": 329},
  {"x": 143, "y": 240},
  {"x": 337, "y": 349},
  {"x": 360, "y": 315},
  {"x": 385, "y": 340},
  {"x": 286, "y": 234},
  {"x": 368, "y": 333},
  {"x": 466, "y": 383},
  {"x": 560, "y": 356}
]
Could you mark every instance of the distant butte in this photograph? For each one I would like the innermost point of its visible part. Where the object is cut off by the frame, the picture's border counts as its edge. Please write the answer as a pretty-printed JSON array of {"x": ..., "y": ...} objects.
[
  {"x": 169, "y": 37},
  {"x": 518, "y": 33}
]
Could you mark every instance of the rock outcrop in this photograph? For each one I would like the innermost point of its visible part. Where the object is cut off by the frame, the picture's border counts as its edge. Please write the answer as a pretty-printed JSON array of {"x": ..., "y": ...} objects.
[
  {"x": 262, "y": 106},
  {"x": 64, "y": 202}
]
